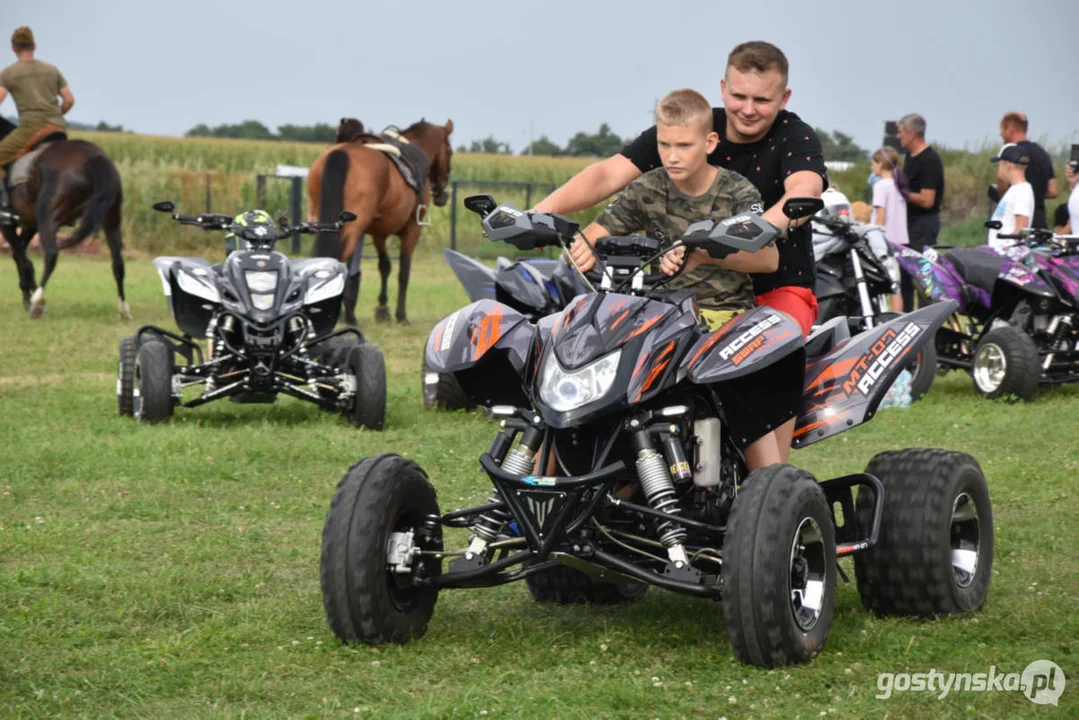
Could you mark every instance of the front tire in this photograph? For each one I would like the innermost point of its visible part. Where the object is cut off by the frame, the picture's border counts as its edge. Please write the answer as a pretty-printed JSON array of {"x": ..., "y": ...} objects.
[
  {"x": 152, "y": 401},
  {"x": 779, "y": 569},
  {"x": 442, "y": 391},
  {"x": 363, "y": 599},
  {"x": 125, "y": 378},
  {"x": 369, "y": 403},
  {"x": 1006, "y": 364},
  {"x": 935, "y": 551}
]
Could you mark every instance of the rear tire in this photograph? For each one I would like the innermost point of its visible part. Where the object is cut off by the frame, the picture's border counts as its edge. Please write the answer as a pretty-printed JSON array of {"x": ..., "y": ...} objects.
[
  {"x": 936, "y": 514},
  {"x": 1006, "y": 364},
  {"x": 369, "y": 403},
  {"x": 125, "y": 378},
  {"x": 442, "y": 391},
  {"x": 152, "y": 401},
  {"x": 779, "y": 570},
  {"x": 363, "y": 599},
  {"x": 566, "y": 586}
]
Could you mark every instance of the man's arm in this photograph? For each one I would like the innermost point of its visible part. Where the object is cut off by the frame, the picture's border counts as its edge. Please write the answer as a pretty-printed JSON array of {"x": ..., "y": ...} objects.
[
  {"x": 1051, "y": 190},
  {"x": 925, "y": 198},
  {"x": 3, "y": 94},
  {"x": 68, "y": 98},
  {"x": 593, "y": 184},
  {"x": 804, "y": 183}
]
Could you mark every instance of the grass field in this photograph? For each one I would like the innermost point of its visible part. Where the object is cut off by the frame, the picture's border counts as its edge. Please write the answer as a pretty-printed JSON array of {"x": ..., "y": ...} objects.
[{"x": 172, "y": 571}]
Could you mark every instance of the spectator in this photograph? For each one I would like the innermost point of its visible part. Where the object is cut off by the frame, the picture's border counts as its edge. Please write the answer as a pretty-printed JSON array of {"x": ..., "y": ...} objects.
[
  {"x": 890, "y": 208},
  {"x": 1040, "y": 174},
  {"x": 1066, "y": 221},
  {"x": 925, "y": 179},
  {"x": 1017, "y": 206}
]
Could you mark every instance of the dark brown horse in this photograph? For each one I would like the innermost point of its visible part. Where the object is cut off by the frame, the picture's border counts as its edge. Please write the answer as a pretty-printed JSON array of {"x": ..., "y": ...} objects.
[
  {"x": 72, "y": 180},
  {"x": 351, "y": 176}
]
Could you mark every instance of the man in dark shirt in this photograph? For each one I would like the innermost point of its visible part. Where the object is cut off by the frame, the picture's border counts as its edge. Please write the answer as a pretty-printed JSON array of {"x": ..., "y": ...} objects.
[
  {"x": 925, "y": 178},
  {"x": 1040, "y": 173},
  {"x": 758, "y": 139}
]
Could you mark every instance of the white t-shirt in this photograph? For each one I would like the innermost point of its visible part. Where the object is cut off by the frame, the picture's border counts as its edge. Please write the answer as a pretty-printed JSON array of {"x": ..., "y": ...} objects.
[
  {"x": 1019, "y": 200},
  {"x": 1073, "y": 209},
  {"x": 886, "y": 195}
]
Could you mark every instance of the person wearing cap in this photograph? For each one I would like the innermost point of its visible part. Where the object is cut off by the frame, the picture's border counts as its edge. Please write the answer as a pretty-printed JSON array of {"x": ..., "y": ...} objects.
[
  {"x": 34, "y": 86},
  {"x": 1016, "y": 208},
  {"x": 1040, "y": 173}
]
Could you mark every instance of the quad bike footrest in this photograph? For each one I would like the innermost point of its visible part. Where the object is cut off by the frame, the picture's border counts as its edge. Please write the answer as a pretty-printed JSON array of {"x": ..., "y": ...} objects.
[{"x": 850, "y": 538}]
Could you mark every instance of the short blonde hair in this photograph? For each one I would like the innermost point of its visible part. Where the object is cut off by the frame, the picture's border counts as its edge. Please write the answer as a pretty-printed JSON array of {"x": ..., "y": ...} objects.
[{"x": 684, "y": 107}]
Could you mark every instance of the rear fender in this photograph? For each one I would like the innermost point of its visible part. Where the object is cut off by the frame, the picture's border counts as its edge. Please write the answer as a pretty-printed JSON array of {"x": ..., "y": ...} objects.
[
  {"x": 934, "y": 279},
  {"x": 746, "y": 344},
  {"x": 844, "y": 388},
  {"x": 464, "y": 338}
]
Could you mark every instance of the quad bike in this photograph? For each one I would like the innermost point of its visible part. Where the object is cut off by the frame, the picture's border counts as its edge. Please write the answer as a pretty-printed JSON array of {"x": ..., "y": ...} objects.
[
  {"x": 615, "y": 469},
  {"x": 533, "y": 286},
  {"x": 1016, "y": 324},
  {"x": 268, "y": 322},
  {"x": 857, "y": 274}
]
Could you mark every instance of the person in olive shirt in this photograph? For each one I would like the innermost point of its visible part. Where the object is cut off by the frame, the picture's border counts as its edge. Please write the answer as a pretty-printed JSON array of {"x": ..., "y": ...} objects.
[
  {"x": 34, "y": 86},
  {"x": 925, "y": 178}
]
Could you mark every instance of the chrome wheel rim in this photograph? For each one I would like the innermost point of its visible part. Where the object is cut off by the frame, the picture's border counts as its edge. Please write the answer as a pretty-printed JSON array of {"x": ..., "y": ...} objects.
[
  {"x": 965, "y": 540},
  {"x": 990, "y": 366},
  {"x": 808, "y": 574}
]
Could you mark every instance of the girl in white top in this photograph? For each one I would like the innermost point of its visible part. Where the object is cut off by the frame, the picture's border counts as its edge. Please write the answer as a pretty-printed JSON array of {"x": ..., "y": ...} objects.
[{"x": 889, "y": 207}]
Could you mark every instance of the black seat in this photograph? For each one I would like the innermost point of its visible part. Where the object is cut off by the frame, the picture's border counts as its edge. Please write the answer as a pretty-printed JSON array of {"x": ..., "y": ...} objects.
[{"x": 978, "y": 266}]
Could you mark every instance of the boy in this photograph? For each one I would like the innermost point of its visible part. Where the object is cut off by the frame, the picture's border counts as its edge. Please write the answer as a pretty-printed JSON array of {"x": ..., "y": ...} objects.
[
  {"x": 1016, "y": 208},
  {"x": 666, "y": 200}
]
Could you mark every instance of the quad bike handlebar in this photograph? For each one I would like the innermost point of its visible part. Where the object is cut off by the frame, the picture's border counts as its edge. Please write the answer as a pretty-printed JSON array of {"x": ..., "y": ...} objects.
[{"x": 220, "y": 221}]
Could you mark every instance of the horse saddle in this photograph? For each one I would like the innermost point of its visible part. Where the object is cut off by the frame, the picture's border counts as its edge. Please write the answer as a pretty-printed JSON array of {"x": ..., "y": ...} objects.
[
  {"x": 409, "y": 159},
  {"x": 19, "y": 171}
]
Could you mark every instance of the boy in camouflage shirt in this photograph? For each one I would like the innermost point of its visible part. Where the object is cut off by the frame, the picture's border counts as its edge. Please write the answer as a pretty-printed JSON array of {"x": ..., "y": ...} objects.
[{"x": 665, "y": 201}]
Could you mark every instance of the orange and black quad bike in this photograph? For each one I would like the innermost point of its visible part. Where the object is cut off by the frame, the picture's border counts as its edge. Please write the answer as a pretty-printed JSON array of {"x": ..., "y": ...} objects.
[{"x": 618, "y": 462}]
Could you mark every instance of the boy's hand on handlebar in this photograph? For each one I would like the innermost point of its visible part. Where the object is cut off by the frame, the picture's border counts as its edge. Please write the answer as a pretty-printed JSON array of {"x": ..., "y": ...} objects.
[
  {"x": 582, "y": 254},
  {"x": 670, "y": 262}
]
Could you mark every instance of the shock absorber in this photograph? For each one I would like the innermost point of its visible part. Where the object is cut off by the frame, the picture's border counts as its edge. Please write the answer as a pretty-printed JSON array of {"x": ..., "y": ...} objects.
[
  {"x": 659, "y": 492},
  {"x": 1059, "y": 330},
  {"x": 518, "y": 461}
]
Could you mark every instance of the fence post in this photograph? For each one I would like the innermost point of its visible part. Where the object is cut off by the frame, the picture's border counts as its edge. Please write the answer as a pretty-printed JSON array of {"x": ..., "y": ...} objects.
[
  {"x": 260, "y": 190},
  {"x": 297, "y": 212},
  {"x": 453, "y": 215},
  {"x": 528, "y": 196},
  {"x": 208, "y": 206}
]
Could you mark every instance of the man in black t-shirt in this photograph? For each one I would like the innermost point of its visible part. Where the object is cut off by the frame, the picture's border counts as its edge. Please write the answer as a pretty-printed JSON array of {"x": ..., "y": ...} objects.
[
  {"x": 1040, "y": 173},
  {"x": 759, "y": 139},
  {"x": 925, "y": 179}
]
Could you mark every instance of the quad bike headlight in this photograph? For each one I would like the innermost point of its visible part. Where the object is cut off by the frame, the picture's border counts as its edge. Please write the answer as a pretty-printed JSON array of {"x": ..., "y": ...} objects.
[
  {"x": 259, "y": 281},
  {"x": 261, "y": 301},
  {"x": 565, "y": 391}
]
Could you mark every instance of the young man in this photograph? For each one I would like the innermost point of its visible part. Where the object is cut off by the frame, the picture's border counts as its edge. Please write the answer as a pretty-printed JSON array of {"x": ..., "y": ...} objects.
[
  {"x": 665, "y": 201},
  {"x": 925, "y": 180},
  {"x": 1040, "y": 173},
  {"x": 1016, "y": 208},
  {"x": 34, "y": 86},
  {"x": 760, "y": 140}
]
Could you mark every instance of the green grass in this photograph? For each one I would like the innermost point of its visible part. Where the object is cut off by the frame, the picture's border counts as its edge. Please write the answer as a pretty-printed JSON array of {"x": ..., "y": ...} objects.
[{"x": 172, "y": 571}]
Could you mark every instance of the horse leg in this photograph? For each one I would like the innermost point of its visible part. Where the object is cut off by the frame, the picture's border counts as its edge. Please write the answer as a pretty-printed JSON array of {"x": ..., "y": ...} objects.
[
  {"x": 47, "y": 235},
  {"x": 409, "y": 240},
  {"x": 116, "y": 245},
  {"x": 382, "y": 312},
  {"x": 18, "y": 255}
]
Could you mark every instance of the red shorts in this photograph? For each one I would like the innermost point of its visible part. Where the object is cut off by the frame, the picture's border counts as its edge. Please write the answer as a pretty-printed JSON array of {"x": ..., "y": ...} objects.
[{"x": 798, "y": 302}]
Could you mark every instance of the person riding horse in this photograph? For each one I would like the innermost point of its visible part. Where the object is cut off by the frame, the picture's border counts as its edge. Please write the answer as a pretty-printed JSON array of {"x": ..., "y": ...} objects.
[{"x": 34, "y": 86}]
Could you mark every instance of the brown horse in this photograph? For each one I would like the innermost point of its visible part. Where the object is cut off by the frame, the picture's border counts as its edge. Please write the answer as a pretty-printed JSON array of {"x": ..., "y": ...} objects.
[
  {"x": 351, "y": 176},
  {"x": 72, "y": 180}
]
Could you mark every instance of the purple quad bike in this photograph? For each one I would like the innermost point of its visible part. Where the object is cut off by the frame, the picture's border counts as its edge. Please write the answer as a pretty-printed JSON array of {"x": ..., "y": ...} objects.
[{"x": 1016, "y": 324}]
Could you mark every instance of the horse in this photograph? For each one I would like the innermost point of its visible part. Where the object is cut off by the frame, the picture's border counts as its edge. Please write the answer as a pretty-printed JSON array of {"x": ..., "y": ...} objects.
[
  {"x": 351, "y": 176},
  {"x": 71, "y": 180}
]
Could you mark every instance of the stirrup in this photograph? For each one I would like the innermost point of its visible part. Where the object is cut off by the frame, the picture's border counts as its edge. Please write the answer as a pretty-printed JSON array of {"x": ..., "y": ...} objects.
[{"x": 422, "y": 216}]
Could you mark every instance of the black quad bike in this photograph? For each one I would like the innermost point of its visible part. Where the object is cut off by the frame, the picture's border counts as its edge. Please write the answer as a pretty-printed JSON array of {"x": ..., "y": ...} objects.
[
  {"x": 268, "y": 322},
  {"x": 618, "y": 399},
  {"x": 534, "y": 287},
  {"x": 857, "y": 274}
]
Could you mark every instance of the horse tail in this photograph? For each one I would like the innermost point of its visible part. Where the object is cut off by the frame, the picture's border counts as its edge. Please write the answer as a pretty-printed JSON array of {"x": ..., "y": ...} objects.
[
  {"x": 105, "y": 192},
  {"x": 331, "y": 200}
]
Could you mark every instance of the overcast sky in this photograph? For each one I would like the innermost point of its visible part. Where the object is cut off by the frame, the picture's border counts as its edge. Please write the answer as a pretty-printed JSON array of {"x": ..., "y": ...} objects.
[{"x": 556, "y": 66}]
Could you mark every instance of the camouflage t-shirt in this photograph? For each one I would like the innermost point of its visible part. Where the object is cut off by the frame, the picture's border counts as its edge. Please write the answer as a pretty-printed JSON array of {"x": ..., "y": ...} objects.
[
  {"x": 34, "y": 86},
  {"x": 651, "y": 205}
]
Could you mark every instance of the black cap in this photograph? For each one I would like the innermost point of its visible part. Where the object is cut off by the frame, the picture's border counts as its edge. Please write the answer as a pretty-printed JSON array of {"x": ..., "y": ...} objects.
[{"x": 1013, "y": 154}]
